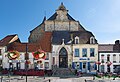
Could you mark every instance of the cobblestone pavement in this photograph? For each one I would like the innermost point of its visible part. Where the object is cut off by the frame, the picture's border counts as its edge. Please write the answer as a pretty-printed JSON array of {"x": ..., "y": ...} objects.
[{"x": 55, "y": 79}]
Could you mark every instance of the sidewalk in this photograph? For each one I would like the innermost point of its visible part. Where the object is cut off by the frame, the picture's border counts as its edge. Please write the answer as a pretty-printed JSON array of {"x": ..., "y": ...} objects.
[{"x": 56, "y": 79}]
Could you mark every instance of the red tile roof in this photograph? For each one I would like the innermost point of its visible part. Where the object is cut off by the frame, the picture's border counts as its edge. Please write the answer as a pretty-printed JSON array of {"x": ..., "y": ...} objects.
[
  {"x": 5, "y": 41},
  {"x": 21, "y": 47},
  {"x": 43, "y": 44}
]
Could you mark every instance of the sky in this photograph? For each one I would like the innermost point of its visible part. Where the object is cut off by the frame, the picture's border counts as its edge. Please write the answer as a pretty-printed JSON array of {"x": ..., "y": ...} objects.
[{"x": 101, "y": 17}]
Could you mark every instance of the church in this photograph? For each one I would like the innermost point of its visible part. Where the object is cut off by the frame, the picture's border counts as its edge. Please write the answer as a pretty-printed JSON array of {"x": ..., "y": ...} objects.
[
  {"x": 70, "y": 41},
  {"x": 66, "y": 43}
]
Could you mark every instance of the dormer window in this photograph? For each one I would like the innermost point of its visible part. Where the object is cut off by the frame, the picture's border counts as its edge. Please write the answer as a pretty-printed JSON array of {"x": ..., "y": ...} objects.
[
  {"x": 76, "y": 40},
  {"x": 92, "y": 40}
]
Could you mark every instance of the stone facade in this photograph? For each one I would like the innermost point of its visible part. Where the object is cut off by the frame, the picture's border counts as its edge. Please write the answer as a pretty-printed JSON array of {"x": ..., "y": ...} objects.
[{"x": 61, "y": 26}]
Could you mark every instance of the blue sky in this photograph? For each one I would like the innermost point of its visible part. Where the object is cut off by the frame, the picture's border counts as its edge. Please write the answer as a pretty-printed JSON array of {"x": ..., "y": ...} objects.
[{"x": 102, "y": 17}]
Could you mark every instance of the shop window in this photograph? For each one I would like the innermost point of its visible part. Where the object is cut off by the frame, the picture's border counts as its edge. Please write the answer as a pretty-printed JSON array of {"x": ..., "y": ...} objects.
[
  {"x": 18, "y": 65},
  {"x": 102, "y": 68},
  {"x": 76, "y": 52},
  {"x": 92, "y": 52},
  {"x": 46, "y": 65},
  {"x": 84, "y": 52}
]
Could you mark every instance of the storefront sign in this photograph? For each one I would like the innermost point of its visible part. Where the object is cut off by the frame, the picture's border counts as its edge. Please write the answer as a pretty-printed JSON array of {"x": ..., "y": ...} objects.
[{"x": 84, "y": 59}]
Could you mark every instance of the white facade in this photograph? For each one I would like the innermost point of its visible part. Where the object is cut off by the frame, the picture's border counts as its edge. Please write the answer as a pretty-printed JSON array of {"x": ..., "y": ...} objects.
[
  {"x": 114, "y": 58},
  {"x": 44, "y": 65},
  {"x": 85, "y": 63},
  {"x": 55, "y": 54}
]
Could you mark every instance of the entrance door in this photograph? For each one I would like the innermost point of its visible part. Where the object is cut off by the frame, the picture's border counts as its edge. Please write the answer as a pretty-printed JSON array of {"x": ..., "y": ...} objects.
[
  {"x": 84, "y": 67},
  {"x": 63, "y": 58}
]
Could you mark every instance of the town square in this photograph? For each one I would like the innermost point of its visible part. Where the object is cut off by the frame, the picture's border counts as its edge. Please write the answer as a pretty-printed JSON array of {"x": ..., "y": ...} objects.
[{"x": 60, "y": 48}]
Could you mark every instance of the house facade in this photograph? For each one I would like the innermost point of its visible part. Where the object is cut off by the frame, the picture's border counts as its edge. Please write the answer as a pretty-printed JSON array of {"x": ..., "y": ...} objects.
[
  {"x": 85, "y": 57},
  {"x": 109, "y": 57}
]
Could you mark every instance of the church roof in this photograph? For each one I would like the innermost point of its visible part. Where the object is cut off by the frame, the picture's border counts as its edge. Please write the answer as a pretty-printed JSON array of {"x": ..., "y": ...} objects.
[
  {"x": 45, "y": 41},
  {"x": 84, "y": 37},
  {"x": 62, "y": 7},
  {"x": 58, "y": 36},
  {"x": 53, "y": 17}
]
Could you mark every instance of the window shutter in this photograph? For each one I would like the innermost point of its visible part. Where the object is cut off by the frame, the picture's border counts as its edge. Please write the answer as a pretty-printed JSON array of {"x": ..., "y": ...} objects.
[
  {"x": 73, "y": 65},
  {"x": 88, "y": 65},
  {"x": 81, "y": 65}
]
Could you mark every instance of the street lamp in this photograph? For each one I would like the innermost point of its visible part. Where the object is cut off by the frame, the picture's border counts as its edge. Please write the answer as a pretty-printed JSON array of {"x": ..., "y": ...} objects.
[{"x": 26, "y": 58}]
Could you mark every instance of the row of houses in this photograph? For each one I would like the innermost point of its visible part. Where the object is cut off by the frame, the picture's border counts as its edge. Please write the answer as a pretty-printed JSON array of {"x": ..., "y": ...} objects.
[
  {"x": 85, "y": 57},
  {"x": 66, "y": 44}
]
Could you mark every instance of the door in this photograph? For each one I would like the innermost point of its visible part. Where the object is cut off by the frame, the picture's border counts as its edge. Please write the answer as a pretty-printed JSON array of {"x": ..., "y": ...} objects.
[
  {"x": 63, "y": 58},
  {"x": 84, "y": 67}
]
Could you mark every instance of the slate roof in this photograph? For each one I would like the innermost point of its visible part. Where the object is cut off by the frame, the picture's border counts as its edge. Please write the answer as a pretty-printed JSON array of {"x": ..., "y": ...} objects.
[
  {"x": 105, "y": 47},
  {"x": 84, "y": 37},
  {"x": 5, "y": 41},
  {"x": 57, "y": 37}
]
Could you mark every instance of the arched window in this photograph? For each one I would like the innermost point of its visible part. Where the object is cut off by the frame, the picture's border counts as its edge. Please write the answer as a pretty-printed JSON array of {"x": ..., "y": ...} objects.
[
  {"x": 76, "y": 40},
  {"x": 63, "y": 51},
  {"x": 92, "y": 40}
]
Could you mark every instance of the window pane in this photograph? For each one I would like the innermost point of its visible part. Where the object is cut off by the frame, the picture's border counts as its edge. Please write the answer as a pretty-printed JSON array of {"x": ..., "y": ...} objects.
[
  {"x": 92, "y": 52},
  {"x": 114, "y": 58},
  {"x": 47, "y": 56},
  {"x": 76, "y": 52},
  {"x": 76, "y": 41},
  {"x": 84, "y": 65},
  {"x": 46, "y": 65},
  {"x": 108, "y": 57},
  {"x": 84, "y": 52}
]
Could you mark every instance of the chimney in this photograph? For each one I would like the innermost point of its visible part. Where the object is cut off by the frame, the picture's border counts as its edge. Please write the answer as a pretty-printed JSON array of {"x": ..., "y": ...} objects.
[{"x": 117, "y": 42}]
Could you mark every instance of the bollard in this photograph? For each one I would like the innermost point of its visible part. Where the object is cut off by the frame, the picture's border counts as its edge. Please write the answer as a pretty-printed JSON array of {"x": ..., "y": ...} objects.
[{"x": 49, "y": 80}]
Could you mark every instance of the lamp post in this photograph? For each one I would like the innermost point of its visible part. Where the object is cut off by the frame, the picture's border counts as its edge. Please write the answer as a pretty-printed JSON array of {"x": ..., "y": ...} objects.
[{"x": 26, "y": 58}]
